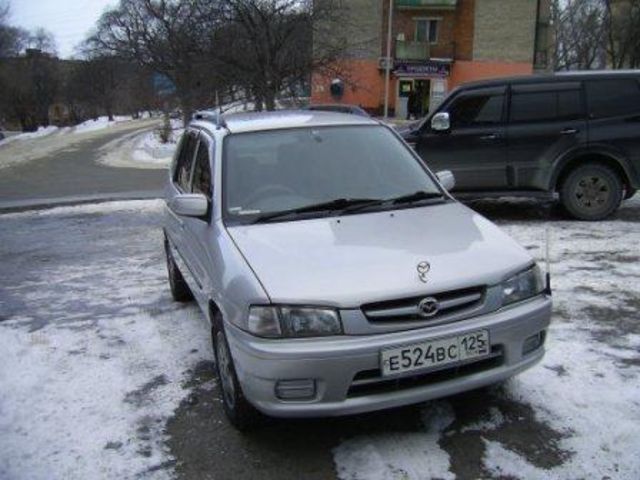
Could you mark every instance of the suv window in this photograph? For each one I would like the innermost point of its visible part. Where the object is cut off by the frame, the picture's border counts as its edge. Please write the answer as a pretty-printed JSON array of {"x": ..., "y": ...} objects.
[
  {"x": 610, "y": 98},
  {"x": 546, "y": 106},
  {"x": 185, "y": 161},
  {"x": 202, "y": 171},
  {"x": 477, "y": 110}
]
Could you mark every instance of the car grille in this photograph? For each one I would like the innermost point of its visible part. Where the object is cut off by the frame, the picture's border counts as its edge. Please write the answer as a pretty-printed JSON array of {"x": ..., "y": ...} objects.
[
  {"x": 452, "y": 304},
  {"x": 371, "y": 382}
]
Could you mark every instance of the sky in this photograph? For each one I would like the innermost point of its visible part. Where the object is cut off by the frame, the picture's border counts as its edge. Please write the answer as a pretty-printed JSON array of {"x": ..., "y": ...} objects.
[{"x": 68, "y": 20}]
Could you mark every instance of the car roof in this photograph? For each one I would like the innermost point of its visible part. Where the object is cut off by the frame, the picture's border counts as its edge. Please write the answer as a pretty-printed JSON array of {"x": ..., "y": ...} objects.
[
  {"x": 282, "y": 119},
  {"x": 552, "y": 77}
]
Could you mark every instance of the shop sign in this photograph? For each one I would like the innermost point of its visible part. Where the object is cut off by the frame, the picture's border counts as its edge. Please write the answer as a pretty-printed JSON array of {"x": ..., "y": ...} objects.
[{"x": 439, "y": 69}]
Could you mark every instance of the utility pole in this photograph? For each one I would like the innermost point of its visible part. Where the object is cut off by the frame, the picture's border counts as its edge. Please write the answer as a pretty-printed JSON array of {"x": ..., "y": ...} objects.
[{"x": 387, "y": 73}]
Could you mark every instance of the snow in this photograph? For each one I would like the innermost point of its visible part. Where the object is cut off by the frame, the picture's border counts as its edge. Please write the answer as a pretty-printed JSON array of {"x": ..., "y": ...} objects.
[
  {"x": 47, "y": 142},
  {"x": 99, "y": 123},
  {"x": 142, "y": 149},
  {"x": 41, "y": 132},
  {"x": 399, "y": 455},
  {"x": 95, "y": 356}
]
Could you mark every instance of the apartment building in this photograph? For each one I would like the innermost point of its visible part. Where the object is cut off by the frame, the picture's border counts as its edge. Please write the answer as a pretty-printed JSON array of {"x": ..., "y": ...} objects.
[{"x": 435, "y": 46}]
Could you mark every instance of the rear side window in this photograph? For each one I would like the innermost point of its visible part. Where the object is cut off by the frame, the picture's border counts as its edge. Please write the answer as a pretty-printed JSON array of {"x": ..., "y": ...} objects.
[
  {"x": 477, "y": 110},
  {"x": 185, "y": 161},
  {"x": 202, "y": 171},
  {"x": 611, "y": 98},
  {"x": 546, "y": 106}
]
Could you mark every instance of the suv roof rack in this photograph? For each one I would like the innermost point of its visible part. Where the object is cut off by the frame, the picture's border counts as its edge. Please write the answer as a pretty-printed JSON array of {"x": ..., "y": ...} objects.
[{"x": 213, "y": 116}]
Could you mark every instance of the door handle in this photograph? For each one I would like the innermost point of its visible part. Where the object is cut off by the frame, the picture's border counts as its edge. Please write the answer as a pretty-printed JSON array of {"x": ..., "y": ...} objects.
[
  {"x": 569, "y": 131},
  {"x": 489, "y": 136}
]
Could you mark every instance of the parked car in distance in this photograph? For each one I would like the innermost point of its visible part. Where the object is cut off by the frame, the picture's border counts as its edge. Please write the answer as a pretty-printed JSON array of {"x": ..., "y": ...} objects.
[
  {"x": 337, "y": 273},
  {"x": 339, "y": 108},
  {"x": 574, "y": 135}
]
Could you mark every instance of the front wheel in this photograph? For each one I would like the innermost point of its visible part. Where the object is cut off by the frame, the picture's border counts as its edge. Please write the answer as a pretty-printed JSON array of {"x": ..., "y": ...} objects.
[
  {"x": 591, "y": 192},
  {"x": 239, "y": 411}
]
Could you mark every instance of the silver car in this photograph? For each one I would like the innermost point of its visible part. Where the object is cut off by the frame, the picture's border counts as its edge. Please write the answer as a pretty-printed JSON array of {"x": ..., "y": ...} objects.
[{"x": 337, "y": 273}]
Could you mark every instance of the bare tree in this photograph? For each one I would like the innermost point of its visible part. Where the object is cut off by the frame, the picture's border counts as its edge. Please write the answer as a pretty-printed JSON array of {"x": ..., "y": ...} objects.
[
  {"x": 167, "y": 36},
  {"x": 43, "y": 40},
  {"x": 12, "y": 39},
  {"x": 580, "y": 34},
  {"x": 272, "y": 46},
  {"x": 623, "y": 33}
]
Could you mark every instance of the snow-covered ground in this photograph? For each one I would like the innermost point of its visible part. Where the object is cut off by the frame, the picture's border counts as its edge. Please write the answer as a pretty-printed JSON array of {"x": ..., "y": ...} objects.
[
  {"x": 25, "y": 147},
  {"x": 88, "y": 126},
  {"x": 96, "y": 358},
  {"x": 142, "y": 149}
]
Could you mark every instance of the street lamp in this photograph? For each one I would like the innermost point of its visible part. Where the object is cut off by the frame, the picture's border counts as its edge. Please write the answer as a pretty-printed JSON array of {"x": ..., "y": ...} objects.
[{"x": 387, "y": 67}]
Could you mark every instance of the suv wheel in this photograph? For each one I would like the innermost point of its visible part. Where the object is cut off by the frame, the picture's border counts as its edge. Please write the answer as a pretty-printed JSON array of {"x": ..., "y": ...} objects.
[
  {"x": 239, "y": 411},
  {"x": 180, "y": 291},
  {"x": 591, "y": 192}
]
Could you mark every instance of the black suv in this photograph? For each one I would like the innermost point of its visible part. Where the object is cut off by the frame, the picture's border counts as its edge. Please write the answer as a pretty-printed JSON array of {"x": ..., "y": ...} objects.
[{"x": 576, "y": 134}]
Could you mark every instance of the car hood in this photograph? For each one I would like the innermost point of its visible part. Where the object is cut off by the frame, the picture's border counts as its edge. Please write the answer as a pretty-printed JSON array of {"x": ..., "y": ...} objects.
[{"x": 353, "y": 259}]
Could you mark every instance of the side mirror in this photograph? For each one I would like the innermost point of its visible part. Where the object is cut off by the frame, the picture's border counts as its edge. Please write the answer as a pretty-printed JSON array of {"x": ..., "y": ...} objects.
[
  {"x": 189, "y": 204},
  {"x": 441, "y": 122},
  {"x": 446, "y": 179}
]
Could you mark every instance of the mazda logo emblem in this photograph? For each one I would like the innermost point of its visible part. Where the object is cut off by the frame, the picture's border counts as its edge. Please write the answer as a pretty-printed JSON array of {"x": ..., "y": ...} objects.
[
  {"x": 423, "y": 268},
  {"x": 428, "y": 307}
]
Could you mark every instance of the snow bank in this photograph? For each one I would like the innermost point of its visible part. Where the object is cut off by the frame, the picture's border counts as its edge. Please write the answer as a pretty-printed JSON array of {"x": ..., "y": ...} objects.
[
  {"x": 99, "y": 124},
  {"x": 41, "y": 132}
]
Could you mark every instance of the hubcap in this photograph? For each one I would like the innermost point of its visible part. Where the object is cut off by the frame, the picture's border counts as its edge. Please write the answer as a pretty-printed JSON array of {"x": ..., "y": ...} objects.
[
  {"x": 224, "y": 367},
  {"x": 592, "y": 192}
]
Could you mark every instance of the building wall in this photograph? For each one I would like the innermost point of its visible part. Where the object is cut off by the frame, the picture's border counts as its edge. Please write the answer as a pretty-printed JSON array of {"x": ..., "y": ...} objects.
[
  {"x": 504, "y": 30},
  {"x": 492, "y": 38}
]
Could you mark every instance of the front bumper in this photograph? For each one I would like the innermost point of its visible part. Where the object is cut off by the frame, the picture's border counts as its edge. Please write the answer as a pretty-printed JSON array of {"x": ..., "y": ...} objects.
[{"x": 334, "y": 362}]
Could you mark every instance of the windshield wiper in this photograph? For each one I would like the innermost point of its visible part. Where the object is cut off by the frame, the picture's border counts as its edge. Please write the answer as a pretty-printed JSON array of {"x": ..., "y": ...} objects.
[
  {"x": 404, "y": 199},
  {"x": 334, "y": 205},
  {"x": 415, "y": 197}
]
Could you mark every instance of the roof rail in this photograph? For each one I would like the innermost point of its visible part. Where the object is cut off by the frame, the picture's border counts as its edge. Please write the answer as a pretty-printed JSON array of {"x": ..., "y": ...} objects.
[{"x": 211, "y": 115}]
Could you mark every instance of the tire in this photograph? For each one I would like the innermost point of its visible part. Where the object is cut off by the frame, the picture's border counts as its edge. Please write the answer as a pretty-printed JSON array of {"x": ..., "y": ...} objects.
[
  {"x": 180, "y": 291},
  {"x": 591, "y": 192},
  {"x": 239, "y": 411},
  {"x": 629, "y": 192}
]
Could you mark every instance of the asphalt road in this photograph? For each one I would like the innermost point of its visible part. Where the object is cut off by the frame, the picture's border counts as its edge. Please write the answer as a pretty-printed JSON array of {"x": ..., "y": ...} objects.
[{"x": 72, "y": 172}]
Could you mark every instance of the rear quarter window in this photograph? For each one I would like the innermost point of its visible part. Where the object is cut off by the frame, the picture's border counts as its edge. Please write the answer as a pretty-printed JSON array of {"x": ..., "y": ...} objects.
[
  {"x": 547, "y": 105},
  {"x": 613, "y": 98}
]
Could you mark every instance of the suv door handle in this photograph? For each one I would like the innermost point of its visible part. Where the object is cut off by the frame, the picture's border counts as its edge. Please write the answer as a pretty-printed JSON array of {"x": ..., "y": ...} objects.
[
  {"x": 489, "y": 136},
  {"x": 569, "y": 131}
]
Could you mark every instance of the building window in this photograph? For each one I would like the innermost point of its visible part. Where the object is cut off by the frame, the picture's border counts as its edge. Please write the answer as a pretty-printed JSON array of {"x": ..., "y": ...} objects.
[{"x": 427, "y": 30}]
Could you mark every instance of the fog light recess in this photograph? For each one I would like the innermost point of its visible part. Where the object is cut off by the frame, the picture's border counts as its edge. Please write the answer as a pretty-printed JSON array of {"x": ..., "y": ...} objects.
[
  {"x": 533, "y": 343},
  {"x": 304, "y": 389}
]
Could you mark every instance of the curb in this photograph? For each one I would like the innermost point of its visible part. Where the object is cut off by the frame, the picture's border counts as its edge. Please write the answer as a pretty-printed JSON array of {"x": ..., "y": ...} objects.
[{"x": 48, "y": 203}]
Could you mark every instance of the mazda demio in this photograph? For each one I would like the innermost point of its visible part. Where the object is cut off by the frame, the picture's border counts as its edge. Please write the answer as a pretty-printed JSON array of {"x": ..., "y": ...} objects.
[{"x": 337, "y": 273}]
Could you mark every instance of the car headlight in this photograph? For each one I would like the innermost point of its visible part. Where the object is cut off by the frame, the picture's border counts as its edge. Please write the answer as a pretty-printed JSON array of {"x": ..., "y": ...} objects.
[
  {"x": 522, "y": 286},
  {"x": 291, "y": 321}
]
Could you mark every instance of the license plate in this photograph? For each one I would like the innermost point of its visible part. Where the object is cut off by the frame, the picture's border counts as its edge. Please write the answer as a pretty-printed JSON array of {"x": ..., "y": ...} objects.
[{"x": 435, "y": 353}]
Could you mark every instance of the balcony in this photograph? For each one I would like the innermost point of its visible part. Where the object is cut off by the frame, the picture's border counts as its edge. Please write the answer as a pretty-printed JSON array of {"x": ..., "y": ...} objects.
[
  {"x": 443, "y": 4},
  {"x": 412, "y": 50}
]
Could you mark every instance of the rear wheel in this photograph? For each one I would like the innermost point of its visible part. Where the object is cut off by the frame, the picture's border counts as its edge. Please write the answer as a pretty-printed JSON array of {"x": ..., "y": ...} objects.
[
  {"x": 239, "y": 411},
  {"x": 180, "y": 291},
  {"x": 591, "y": 192}
]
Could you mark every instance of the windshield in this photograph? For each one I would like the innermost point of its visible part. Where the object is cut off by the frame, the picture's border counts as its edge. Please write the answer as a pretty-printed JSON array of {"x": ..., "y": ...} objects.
[{"x": 284, "y": 170}]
